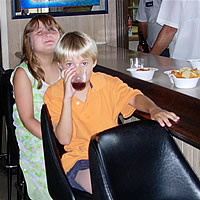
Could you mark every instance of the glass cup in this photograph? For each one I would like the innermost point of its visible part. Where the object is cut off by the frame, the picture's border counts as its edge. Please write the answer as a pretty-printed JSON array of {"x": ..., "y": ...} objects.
[
  {"x": 137, "y": 62},
  {"x": 79, "y": 79}
]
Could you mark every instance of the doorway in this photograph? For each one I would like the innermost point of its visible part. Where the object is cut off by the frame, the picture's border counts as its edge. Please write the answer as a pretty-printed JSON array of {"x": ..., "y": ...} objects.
[
  {"x": 133, "y": 24},
  {"x": 124, "y": 9}
]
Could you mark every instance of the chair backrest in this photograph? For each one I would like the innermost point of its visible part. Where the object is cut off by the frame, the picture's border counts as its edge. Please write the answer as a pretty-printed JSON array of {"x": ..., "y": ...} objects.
[
  {"x": 7, "y": 102},
  {"x": 1, "y": 107},
  {"x": 58, "y": 185},
  {"x": 12, "y": 155},
  {"x": 140, "y": 160}
]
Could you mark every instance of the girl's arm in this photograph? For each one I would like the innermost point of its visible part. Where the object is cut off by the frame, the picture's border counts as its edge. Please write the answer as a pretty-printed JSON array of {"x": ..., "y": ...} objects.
[
  {"x": 24, "y": 102},
  {"x": 144, "y": 104}
]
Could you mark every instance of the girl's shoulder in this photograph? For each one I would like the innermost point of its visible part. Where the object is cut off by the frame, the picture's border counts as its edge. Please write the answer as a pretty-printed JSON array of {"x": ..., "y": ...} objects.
[{"x": 24, "y": 66}]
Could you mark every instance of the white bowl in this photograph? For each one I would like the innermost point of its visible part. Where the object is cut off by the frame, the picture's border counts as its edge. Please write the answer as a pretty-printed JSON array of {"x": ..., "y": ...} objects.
[
  {"x": 195, "y": 63},
  {"x": 144, "y": 75},
  {"x": 182, "y": 82}
]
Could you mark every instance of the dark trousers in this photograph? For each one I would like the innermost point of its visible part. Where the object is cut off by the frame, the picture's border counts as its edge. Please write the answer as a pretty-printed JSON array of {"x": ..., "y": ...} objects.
[{"x": 165, "y": 53}]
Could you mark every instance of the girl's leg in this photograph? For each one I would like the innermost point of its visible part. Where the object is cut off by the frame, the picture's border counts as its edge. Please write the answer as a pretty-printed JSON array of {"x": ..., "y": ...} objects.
[{"x": 83, "y": 179}]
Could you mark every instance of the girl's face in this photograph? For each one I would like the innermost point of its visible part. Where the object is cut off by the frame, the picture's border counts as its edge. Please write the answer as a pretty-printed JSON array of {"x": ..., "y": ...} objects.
[
  {"x": 44, "y": 40},
  {"x": 79, "y": 61}
]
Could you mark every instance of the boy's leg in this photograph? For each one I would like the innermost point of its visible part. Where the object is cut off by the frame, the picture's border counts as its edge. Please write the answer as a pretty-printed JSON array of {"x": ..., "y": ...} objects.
[
  {"x": 79, "y": 176},
  {"x": 83, "y": 179}
]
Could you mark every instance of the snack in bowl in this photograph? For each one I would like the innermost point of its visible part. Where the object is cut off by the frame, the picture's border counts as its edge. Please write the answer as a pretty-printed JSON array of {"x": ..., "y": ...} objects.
[
  {"x": 184, "y": 77},
  {"x": 195, "y": 63},
  {"x": 145, "y": 73},
  {"x": 186, "y": 72},
  {"x": 144, "y": 69}
]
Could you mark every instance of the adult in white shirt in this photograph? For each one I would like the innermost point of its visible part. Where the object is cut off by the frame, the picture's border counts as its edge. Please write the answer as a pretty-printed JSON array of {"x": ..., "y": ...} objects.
[
  {"x": 181, "y": 29},
  {"x": 147, "y": 14}
]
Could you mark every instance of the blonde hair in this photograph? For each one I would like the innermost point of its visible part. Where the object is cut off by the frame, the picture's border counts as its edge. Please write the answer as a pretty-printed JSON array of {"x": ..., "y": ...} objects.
[
  {"x": 28, "y": 55},
  {"x": 75, "y": 44}
]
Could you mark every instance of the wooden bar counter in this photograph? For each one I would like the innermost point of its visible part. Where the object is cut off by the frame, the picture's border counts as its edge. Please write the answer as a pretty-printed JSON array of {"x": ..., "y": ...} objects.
[{"x": 184, "y": 102}]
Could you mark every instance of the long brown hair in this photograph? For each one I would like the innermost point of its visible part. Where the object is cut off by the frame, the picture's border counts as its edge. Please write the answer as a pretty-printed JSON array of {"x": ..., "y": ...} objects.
[{"x": 28, "y": 55}]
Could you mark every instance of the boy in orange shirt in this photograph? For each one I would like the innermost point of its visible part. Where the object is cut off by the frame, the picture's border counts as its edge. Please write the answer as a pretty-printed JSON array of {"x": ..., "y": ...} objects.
[{"x": 78, "y": 114}]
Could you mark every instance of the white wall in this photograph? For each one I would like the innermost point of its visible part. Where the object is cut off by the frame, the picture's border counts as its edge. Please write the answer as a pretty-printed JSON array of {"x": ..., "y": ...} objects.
[{"x": 4, "y": 34}]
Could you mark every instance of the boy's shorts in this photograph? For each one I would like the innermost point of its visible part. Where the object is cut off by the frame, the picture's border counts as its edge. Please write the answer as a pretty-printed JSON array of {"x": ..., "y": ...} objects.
[{"x": 71, "y": 174}]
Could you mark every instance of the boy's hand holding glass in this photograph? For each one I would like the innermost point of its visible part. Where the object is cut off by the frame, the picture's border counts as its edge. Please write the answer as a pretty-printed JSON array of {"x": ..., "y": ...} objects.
[{"x": 79, "y": 79}]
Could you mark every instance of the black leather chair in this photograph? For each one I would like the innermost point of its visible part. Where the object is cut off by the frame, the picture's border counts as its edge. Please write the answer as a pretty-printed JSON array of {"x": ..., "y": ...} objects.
[
  {"x": 2, "y": 154},
  {"x": 58, "y": 185},
  {"x": 12, "y": 155},
  {"x": 141, "y": 161}
]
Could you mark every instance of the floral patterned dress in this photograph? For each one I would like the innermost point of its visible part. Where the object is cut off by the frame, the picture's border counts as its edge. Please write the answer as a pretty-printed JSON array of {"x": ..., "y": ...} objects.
[{"x": 31, "y": 147}]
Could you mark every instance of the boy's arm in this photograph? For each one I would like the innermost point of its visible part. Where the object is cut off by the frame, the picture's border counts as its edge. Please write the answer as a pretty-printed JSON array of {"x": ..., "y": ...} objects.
[
  {"x": 144, "y": 104},
  {"x": 63, "y": 129},
  {"x": 60, "y": 111},
  {"x": 59, "y": 102}
]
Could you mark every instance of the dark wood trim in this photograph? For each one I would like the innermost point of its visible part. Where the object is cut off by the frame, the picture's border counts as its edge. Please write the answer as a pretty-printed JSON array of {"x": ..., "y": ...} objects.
[
  {"x": 187, "y": 107},
  {"x": 122, "y": 23}
]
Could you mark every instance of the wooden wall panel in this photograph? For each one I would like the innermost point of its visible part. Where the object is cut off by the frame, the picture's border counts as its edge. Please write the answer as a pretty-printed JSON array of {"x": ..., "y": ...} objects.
[
  {"x": 4, "y": 35},
  {"x": 122, "y": 23},
  {"x": 111, "y": 23},
  {"x": 101, "y": 27},
  {"x": 196, "y": 161},
  {"x": 191, "y": 154}
]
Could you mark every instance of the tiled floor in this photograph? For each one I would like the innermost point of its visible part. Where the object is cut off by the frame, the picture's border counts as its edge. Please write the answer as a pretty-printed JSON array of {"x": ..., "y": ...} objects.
[{"x": 3, "y": 182}]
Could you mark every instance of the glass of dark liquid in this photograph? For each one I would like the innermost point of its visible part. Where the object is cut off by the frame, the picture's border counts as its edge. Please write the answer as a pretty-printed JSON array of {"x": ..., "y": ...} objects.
[{"x": 79, "y": 79}]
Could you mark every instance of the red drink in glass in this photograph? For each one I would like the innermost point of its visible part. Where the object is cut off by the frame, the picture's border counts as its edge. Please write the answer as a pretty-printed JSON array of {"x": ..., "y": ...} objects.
[{"x": 78, "y": 85}]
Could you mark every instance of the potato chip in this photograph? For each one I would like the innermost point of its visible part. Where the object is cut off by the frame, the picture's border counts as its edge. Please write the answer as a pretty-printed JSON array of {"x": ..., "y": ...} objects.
[
  {"x": 144, "y": 69},
  {"x": 186, "y": 72}
]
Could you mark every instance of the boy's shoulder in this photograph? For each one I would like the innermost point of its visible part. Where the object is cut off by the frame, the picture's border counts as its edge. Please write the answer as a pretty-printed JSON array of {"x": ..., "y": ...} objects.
[
  {"x": 56, "y": 88},
  {"x": 101, "y": 80},
  {"x": 100, "y": 75}
]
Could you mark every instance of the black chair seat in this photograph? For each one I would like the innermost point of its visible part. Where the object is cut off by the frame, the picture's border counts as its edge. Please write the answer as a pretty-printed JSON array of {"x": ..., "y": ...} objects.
[{"x": 12, "y": 154}]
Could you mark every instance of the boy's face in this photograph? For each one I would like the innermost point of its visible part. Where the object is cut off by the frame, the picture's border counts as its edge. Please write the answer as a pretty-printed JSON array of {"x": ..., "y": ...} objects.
[{"x": 79, "y": 61}]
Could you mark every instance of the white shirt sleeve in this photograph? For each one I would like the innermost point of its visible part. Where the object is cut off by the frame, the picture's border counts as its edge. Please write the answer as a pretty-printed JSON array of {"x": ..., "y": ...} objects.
[
  {"x": 169, "y": 13},
  {"x": 141, "y": 13}
]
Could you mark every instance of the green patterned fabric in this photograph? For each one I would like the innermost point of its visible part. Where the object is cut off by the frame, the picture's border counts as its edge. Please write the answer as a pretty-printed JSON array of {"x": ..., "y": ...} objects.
[{"x": 31, "y": 148}]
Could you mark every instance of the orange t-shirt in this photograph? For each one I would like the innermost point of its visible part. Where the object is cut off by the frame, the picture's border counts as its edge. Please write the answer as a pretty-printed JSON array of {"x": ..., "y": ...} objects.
[{"x": 107, "y": 97}]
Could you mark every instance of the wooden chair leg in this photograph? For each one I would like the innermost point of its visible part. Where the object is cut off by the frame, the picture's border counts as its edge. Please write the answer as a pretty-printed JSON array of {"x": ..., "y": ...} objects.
[
  {"x": 26, "y": 193},
  {"x": 9, "y": 179},
  {"x": 1, "y": 134},
  {"x": 21, "y": 186},
  {"x": 18, "y": 184}
]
